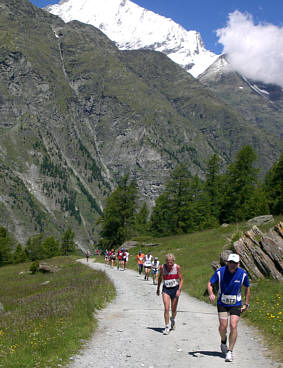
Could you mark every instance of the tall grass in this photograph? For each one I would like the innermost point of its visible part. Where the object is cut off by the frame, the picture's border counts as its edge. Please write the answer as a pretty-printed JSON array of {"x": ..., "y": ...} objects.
[{"x": 48, "y": 316}]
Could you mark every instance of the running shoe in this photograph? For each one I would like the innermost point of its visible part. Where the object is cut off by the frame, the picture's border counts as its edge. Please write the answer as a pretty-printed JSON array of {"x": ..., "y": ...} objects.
[
  {"x": 229, "y": 357},
  {"x": 166, "y": 330},
  {"x": 173, "y": 324},
  {"x": 223, "y": 348}
]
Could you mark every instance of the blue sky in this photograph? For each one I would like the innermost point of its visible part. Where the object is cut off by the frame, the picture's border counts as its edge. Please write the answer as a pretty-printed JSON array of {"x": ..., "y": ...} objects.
[{"x": 206, "y": 16}]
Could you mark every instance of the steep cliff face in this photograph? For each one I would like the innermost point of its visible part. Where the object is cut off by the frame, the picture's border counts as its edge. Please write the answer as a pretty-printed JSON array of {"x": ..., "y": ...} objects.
[{"x": 76, "y": 114}]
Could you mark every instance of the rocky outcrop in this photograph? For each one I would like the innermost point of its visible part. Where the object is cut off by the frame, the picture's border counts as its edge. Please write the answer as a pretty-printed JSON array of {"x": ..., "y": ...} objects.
[
  {"x": 259, "y": 220},
  {"x": 262, "y": 254}
]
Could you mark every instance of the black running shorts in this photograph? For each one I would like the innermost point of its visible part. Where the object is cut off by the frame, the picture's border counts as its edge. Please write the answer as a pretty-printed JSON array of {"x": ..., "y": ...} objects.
[
  {"x": 170, "y": 291},
  {"x": 233, "y": 310}
]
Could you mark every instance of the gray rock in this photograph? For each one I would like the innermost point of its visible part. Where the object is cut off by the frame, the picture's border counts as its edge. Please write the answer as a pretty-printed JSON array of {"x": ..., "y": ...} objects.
[
  {"x": 43, "y": 267},
  {"x": 259, "y": 220},
  {"x": 261, "y": 255},
  {"x": 130, "y": 244}
]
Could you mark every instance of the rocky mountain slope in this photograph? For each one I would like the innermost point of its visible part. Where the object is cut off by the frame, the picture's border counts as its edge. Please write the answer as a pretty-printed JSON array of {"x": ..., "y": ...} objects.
[
  {"x": 260, "y": 103},
  {"x": 132, "y": 27},
  {"x": 76, "y": 114}
]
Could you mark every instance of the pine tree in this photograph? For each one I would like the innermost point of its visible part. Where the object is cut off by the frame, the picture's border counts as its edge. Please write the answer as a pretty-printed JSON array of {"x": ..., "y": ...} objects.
[
  {"x": 274, "y": 187},
  {"x": 67, "y": 242},
  {"x": 213, "y": 186},
  {"x": 19, "y": 255},
  {"x": 51, "y": 247},
  {"x": 182, "y": 207},
  {"x": 168, "y": 212},
  {"x": 34, "y": 249},
  {"x": 6, "y": 245},
  {"x": 141, "y": 220},
  {"x": 240, "y": 188},
  {"x": 118, "y": 219}
]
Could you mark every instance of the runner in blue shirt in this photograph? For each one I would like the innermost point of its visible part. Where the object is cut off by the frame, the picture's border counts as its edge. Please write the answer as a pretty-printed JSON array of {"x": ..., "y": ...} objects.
[{"x": 230, "y": 279}]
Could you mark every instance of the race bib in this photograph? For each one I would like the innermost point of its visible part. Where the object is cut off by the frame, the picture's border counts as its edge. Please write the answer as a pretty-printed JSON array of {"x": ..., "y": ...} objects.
[
  {"x": 171, "y": 283},
  {"x": 228, "y": 299},
  {"x": 147, "y": 264}
]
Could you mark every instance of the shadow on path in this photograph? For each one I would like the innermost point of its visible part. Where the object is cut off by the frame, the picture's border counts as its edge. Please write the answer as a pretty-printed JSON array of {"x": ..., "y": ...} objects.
[
  {"x": 208, "y": 353},
  {"x": 156, "y": 329}
]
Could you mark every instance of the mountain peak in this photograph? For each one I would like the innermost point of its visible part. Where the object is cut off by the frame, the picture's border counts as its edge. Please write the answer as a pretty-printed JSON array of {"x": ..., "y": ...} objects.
[{"x": 132, "y": 27}]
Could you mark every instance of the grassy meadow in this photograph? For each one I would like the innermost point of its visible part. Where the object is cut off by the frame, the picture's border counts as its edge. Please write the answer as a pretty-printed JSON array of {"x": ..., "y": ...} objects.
[
  {"x": 48, "y": 316},
  {"x": 195, "y": 252}
]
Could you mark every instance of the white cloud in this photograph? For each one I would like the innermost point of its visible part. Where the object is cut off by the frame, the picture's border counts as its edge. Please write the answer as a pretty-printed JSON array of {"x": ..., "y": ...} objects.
[{"x": 254, "y": 50}]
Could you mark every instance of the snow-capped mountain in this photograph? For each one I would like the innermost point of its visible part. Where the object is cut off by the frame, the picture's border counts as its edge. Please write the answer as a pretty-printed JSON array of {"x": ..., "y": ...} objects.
[{"x": 132, "y": 27}]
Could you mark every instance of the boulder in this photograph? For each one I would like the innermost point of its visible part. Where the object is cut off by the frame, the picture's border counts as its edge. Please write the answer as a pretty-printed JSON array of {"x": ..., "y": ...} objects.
[
  {"x": 43, "y": 267},
  {"x": 259, "y": 220},
  {"x": 272, "y": 244},
  {"x": 45, "y": 283},
  {"x": 130, "y": 244},
  {"x": 260, "y": 255},
  {"x": 151, "y": 244}
]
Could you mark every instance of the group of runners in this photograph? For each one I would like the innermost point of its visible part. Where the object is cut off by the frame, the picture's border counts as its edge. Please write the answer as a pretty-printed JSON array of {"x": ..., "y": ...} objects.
[
  {"x": 229, "y": 279},
  {"x": 119, "y": 258},
  {"x": 148, "y": 264}
]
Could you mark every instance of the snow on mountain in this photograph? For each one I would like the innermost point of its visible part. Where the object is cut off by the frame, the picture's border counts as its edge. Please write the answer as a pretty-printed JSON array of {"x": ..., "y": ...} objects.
[{"x": 132, "y": 27}]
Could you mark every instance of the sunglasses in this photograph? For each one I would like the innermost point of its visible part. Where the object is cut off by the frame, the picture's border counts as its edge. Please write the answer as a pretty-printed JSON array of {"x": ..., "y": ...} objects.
[{"x": 232, "y": 262}]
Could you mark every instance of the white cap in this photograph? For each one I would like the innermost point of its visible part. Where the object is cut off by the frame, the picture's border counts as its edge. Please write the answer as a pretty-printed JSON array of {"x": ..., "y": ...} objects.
[{"x": 234, "y": 257}]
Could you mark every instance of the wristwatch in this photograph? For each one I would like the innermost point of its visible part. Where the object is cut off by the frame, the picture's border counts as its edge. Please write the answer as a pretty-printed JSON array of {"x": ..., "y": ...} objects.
[{"x": 247, "y": 305}]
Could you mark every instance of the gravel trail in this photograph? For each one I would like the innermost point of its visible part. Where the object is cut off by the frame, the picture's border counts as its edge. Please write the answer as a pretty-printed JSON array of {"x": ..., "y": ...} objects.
[{"x": 130, "y": 332}]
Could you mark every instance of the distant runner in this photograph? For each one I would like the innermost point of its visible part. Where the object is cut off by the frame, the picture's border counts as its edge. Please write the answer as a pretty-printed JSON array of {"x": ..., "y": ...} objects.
[
  {"x": 87, "y": 255},
  {"x": 230, "y": 279},
  {"x": 155, "y": 270},
  {"x": 140, "y": 259},
  {"x": 120, "y": 258},
  {"x": 173, "y": 281},
  {"x": 106, "y": 257},
  {"x": 147, "y": 264},
  {"x": 126, "y": 258},
  {"x": 112, "y": 256}
]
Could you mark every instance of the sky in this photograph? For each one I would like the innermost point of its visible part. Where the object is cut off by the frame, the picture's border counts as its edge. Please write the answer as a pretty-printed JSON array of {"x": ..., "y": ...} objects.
[{"x": 249, "y": 31}]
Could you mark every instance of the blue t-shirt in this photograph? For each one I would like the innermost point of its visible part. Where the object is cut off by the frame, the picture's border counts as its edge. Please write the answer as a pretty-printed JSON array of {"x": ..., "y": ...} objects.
[{"x": 229, "y": 293}]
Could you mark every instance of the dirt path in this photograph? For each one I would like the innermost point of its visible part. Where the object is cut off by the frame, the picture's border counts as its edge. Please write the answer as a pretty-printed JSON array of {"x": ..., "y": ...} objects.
[{"x": 130, "y": 332}]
